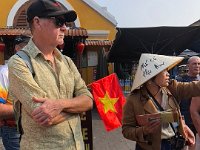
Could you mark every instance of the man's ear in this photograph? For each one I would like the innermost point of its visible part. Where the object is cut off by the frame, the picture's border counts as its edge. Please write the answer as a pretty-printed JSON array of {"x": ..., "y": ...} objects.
[{"x": 36, "y": 22}]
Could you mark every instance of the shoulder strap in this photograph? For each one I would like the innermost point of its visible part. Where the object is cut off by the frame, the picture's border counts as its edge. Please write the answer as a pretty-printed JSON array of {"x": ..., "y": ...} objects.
[
  {"x": 160, "y": 108},
  {"x": 23, "y": 55},
  {"x": 155, "y": 101}
]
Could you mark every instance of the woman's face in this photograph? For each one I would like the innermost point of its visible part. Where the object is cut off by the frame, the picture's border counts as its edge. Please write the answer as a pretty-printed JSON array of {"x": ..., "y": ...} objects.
[{"x": 162, "y": 79}]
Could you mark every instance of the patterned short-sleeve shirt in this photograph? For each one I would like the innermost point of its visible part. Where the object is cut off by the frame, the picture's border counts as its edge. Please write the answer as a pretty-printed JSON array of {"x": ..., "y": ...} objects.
[{"x": 64, "y": 83}]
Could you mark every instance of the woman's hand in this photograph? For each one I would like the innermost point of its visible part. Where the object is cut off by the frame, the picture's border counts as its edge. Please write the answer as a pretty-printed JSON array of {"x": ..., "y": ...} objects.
[
  {"x": 190, "y": 136},
  {"x": 151, "y": 127}
]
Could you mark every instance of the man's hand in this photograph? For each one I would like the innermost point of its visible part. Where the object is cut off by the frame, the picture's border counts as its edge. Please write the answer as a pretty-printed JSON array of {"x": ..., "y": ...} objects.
[
  {"x": 49, "y": 109},
  {"x": 56, "y": 120},
  {"x": 60, "y": 118},
  {"x": 6, "y": 111}
]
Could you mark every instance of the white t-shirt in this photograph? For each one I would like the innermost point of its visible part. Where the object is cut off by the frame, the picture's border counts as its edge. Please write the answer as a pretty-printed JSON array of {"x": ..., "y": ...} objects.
[{"x": 4, "y": 82}]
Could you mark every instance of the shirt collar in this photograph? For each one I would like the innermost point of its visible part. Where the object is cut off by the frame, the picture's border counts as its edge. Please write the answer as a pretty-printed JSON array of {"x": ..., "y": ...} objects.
[{"x": 33, "y": 50}]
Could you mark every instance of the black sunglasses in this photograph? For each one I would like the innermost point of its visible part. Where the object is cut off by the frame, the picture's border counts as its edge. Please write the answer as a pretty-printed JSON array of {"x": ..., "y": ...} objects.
[{"x": 58, "y": 21}]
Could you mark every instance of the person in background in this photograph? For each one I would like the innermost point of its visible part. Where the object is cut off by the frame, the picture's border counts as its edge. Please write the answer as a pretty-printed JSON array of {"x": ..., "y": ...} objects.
[
  {"x": 8, "y": 129},
  {"x": 50, "y": 101},
  {"x": 195, "y": 115},
  {"x": 192, "y": 75},
  {"x": 153, "y": 92}
]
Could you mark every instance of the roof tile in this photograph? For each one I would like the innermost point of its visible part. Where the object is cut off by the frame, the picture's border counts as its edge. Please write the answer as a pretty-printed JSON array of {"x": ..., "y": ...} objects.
[
  {"x": 18, "y": 31},
  {"x": 98, "y": 43}
]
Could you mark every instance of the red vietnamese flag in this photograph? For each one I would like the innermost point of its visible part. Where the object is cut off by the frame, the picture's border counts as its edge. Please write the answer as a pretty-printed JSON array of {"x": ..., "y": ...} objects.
[{"x": 109, "y": 100}]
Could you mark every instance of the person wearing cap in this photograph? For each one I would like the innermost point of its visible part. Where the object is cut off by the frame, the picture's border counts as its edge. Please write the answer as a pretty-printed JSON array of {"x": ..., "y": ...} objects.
[
  {"x": 8, "y": 129},
  {"x": 20, "y": 42},
  {"x": 51, "y": 100},
  {"x": 154, "y": 93}
]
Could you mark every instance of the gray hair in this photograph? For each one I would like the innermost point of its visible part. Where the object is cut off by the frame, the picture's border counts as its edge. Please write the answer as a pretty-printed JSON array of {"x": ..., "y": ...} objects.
[{"x": 193, "y": 57}]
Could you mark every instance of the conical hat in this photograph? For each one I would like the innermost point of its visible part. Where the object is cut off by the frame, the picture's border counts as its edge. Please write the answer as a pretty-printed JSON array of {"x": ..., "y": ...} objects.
[{"x": 152, "y": 64}]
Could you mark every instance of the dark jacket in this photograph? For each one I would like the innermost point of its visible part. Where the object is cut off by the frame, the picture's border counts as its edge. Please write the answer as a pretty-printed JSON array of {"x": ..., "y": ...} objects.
[{"x": 185, "y": 103}]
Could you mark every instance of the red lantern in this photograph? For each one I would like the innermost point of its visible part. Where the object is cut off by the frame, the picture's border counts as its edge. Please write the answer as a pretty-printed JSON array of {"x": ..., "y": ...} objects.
[
  {"x": 2, "y": 47},
  {"x": 80, "y": 47}
]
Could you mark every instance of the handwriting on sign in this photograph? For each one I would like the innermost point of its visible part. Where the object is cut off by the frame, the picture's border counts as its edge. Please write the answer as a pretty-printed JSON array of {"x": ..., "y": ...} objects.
[
  {"x": 158, "y": 66},
  {"x": 146, "y": 72},
  {"x": 146, "y": 67}
]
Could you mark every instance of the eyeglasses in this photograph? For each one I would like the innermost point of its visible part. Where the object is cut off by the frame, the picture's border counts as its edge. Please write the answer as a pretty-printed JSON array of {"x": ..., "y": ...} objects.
[{"x": 58, "y": 21}]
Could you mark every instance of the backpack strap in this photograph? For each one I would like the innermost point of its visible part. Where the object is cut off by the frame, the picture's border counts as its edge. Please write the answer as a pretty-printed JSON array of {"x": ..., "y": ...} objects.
[{"x": 23, "y": 55}]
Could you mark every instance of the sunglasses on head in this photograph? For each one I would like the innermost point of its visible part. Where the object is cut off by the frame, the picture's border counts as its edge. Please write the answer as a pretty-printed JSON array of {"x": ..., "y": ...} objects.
[{"x": 58, "y": 21}]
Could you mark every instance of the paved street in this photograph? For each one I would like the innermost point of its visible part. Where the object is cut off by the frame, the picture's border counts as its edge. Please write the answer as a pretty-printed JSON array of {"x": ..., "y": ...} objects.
[
  {"x": 103, "y": 140},
  {"x": 113, "y": 140}
]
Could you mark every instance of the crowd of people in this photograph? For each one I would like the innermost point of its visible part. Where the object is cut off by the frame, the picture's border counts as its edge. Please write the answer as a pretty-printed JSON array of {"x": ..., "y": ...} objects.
[{"x": 40, "y": 110}]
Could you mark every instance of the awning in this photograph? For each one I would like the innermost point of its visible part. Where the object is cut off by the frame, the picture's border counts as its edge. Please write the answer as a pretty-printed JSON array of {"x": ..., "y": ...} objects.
[
  {"x": 98, "y": 43},
  {"x": 14, "y": 31},
  {"x": 188, "y": 53},
  {"x": 131, "y": 42},
  {"x": 76, "y": 32}
]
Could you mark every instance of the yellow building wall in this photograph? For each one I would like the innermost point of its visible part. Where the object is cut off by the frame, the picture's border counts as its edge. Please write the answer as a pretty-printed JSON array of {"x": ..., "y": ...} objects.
[
  {"x": 88, "y": 17},
  {"x": 5, "y": 7},
  {"x": 87, "y": 74},
  {"x": 91, "y": 20}
]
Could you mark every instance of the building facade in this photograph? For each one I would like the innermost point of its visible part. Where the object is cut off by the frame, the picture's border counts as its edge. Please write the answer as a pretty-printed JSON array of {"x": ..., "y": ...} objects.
[{"x": 94, "y": 28}]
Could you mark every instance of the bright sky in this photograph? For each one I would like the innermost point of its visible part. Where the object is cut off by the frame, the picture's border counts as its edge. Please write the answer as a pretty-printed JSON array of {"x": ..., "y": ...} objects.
[{"x": 151, "y": 13}]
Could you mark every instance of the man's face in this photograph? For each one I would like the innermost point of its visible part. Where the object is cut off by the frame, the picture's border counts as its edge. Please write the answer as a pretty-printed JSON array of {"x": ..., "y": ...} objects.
[
  {"x": 53, "y": 29},
  {"x": 194, "y": 66}
]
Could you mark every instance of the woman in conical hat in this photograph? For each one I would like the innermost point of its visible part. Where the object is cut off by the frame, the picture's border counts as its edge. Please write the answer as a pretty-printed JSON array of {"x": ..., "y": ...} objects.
[{"x": 151, "y": 115}]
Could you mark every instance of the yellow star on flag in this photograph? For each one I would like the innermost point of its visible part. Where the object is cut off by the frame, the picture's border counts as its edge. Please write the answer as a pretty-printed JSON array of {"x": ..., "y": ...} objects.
[{"x": 108, "y": 103}]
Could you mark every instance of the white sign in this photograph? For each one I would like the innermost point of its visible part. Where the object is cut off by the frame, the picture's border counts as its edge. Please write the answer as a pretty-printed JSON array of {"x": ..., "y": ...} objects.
[{"x": 92, "y": 58}]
